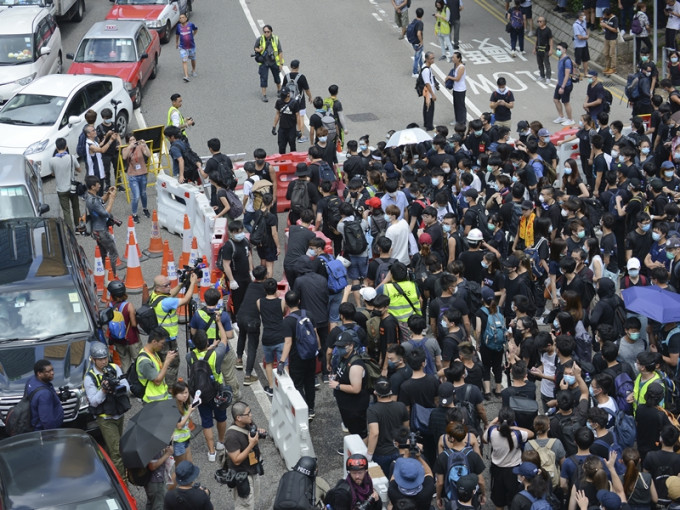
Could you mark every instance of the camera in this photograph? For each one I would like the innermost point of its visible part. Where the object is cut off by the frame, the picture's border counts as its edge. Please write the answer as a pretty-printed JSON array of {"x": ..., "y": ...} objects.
[
  {"x": 112, "y": 386},
  {"x": 411, "y": 443},
  {"x": 364, "y": 505},
  {"x": 193, "y": 122},
  {"x": 65, "y": 394},
  {"x": 253, "y": 431},
  {"x": 113, "y": 221},
  {"x": 184, "y": 274}
]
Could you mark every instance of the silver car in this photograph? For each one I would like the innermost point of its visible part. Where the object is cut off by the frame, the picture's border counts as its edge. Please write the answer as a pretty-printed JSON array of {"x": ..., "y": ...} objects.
[{"x": 21, "y": 192}]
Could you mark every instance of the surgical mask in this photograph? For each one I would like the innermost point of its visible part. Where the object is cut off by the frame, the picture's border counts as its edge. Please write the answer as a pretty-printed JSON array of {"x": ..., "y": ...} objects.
[
  {"x": 489, "y": 168},
  {"x": 588, "y": 423},
  {"x": 647, "y": 73},
  {"x": 391, "y": 364},
  {"x": 311, "y": 252},
  {"x": 581, "y": 234},
  {"x": 515, "y": 165},
  {"x": 676, "y": 155},
  {"x": 614, "y": 154},
  {"x": 645, "y": 228},
  {"x": 435, "y": 181},
  {"x": 567, "y": 170},
  {"x": 550, "y": 229},
  {"x": 590, "y": 81},
  {"x": 479, "y": 133},
  {"x": 444, "y": 324},
  {"x": 446, "y": 169},
  {"x": 322, "y": 139},
  {"x": 656, "y": 236},
  {"x": 541, "y": 198},
  {"x": 546, "y": 139},
  {"x": 634, "y": 336},
  {"x": 674, "y": 59},
  {"x": 580, "y": 123},
  {"x": 591, "y": 391},
  {"x": 515, "y": 178},
  {"x": 669, "y": 173},
  {"x": 645, "y": 150},
  {"x": 106, "y": 121},
  {"x": 446, "y": 228},
  {"x": 558, "y": 53},
  {"x": 670, "y": 255},
  {"x": 622, "y": 158},
  {"x": 485, "y": 265},
  {"x": 388, "y": 218},
  {"x": 564, "y": 213},
  {"x": 645, "y": 58},
  {"x": 569, "y": 379},
  {"x": 491, "y": 226},
  {"x": 342, "y": 351},
  {"x": 556, "y": 325},
  {"x": 501, "y": 91},
  {"x": 363, "y": 147},
  {"x": 633, "y": 272},
  {"x": 239, "y": 237}
]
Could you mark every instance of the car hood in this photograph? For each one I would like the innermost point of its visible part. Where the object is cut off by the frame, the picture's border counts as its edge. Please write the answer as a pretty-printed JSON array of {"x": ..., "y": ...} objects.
[
  {"x": 14, "y": 73},
  {"x": 121, "y": 70},
  {"x": 68, "y": 357},
  {"x": 145, "y": 12},
  {"x": 20, "y": 137}
]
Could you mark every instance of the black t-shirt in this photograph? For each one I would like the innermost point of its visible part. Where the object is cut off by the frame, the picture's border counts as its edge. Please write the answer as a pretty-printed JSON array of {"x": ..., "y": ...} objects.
[
  {"x": 298, "y": 241},
  {"x": 389, "y": 416},
  {"x": 526, "y": 391},
  {"x": 421, "y": 500},
  {"x": 543, "y": 36},
  {"x": 475, "y": 375},
  {"x": 287, "y": 118},
  {"x": 607, "y": 140},
  {"x": 593, "y": 93},
  {"x": 180, "y": 499},
  {"x": 302, "y": 86},
  {"x": 639, "y": 244},
  {"x": 660, "y": 463},
  {"x": 398, "y": 377},
  {"x": 371, "y": 273},
  {"x": 472, "y": 260},
  {"x": 314, "y": 197},
  {"x": 600, "y": 449},
  {"x": 237, "y": 441},
  {"x": 502, "y": 112},
  {"x": 474, "y": 396},
  {"x": 290, "y": 330},
  {"x": 353, "y": 165},
  {"x": 419, "y": 391},
  {"x": 418, "y": 27},
  {"x": 548, "y": 153},
  {"x": 450, "y": 344},
  {"x": 237, "y": 252},
  {"x": 435, "y": 231},
  {"x": 338, "y": 330},
  {"x": 248, "y": 310},
  {"x": 475, "y": 464},
  {"x": 609, "y": 247},
  {"x": 211, "y": 165},
  {"x": 650, "y": 423},
  {"x": 313, "y": 291}
]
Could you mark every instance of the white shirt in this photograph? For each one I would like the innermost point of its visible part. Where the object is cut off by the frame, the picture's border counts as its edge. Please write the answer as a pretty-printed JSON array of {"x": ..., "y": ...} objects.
[
  {"x": 673, "y": 21},
  {"x": 92, "y": 157},
  {"x": 428, "y": 77},
  {"x": 398, "y": 233},
  {"x": 460, "y": 85},
  {"x": 548, "y": 387},
  {"x": 247, "y": 191}
]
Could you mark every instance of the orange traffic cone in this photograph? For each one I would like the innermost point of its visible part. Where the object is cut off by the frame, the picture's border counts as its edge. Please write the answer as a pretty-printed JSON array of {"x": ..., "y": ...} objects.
[
  {"x": 171, "y": 269},
  {"x": 187, "y": 236},
  {"x": 119, "y": 263},
  {"x": 182, "y": 310},
  {"x": 98, "y": 270},
  {"x": 193, "y": 255},
  {"x": 134, "y": 281},
  {"x": 155, "y": 249},
  {"x": 131, "y": 230},
  {"x": 205, "y": 280},
  {"x": 164, "y": 262}
]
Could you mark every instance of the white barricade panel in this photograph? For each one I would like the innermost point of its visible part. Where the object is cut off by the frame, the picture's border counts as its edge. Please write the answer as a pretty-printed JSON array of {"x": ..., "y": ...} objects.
[
  {"x": 174, "y": 200},
  {"x": 289, "y": 422},
  {"x": 202, "y": 224}
]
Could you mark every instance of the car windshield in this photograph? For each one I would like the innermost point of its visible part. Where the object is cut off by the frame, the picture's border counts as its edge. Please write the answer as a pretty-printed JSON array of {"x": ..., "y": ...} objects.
[
  {"x": 16, "y": 49},
  {"x": 106, "y": 50},
  {"x": 143, "y": 2},
  {"x": 32, "y": 110},
  {"x": 41, "y": 313},
  {"x": 15, "y": 203}
]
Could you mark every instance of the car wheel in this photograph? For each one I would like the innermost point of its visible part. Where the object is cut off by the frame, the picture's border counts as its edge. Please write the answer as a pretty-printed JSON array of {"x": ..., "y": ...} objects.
[
  {"x": 80, "y": 11},
  {"x": 122, "y": 121},
  {"x": 166, "y": 32},
  {"x": 154, "y": 71},
  {"x": 60, "y": 64},
  {"x": 138, "y": 98}
]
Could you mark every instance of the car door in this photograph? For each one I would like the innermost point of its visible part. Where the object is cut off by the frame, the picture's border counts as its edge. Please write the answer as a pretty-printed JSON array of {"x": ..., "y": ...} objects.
[
  {"x": 77, "y": 106},
  {"x": 56, "y": 64},
  {"x": 34, "y": 187},
  {"x": 98, "y": 96},
  {"x": 142, "y": 41}
]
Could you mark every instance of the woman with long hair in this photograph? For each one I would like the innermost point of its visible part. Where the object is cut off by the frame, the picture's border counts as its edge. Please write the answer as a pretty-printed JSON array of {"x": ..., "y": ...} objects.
[
  {"x": 498, "y": 239},
  {"x": 638, "y": 486},
  {"x": 572, "y": 184},
  {"x": 493, "y": 277},
  {"x": 492, "y": 357},
  {"x": 459, "y": 86},
  {"x": 592, "y": 246},
  {"x": 506, "y": 442},
  {"x": 594, "y": 478},
  {"x": 181, "y": 437}
]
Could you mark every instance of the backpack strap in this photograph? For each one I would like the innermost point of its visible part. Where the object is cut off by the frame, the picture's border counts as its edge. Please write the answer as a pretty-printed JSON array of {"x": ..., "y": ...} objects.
[
  {"x": 528, "y": 495},
  {"x": 534, "y": 443},
  {"x": 34, "y": 391},
  {"x": 401, "y": 291},
  {"x": 550, "y": 443}
]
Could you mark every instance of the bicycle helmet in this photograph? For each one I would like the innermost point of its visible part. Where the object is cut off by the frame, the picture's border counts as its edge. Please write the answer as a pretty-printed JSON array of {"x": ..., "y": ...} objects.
[
  {"x": 99, "y": 351},
  {"x": 116, "y": 288},
  {"x": 356, "y": 462}
]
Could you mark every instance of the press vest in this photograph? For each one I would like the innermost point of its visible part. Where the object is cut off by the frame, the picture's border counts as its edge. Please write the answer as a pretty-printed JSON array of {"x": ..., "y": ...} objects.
[
  {"x": 181, "y": 119},
  {"x": 399, "y": 305},
  {"x": 640, "y": 389},
  {"x": 184, "y": 434},
  {"x": 211, "y": 332},
  {"x": 275, "y": 48},
  {"x": 166, "y": 319},
  {"x": 154, "y": 392},
  {"x": 107, "y": 409}
]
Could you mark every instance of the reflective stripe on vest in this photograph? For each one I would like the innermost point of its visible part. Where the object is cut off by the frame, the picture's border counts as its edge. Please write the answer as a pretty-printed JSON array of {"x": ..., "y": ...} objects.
[
  {"x": 275, "y": 48},
  {"x": 100, "y": 409},
  {"x": 211, "y": 332},
  {"x": 399, "y": 305},
  {"x": 154, "y": 392},
  {"x": 183, "y": 434},
  {"x": 166, "y": 319},
  {"x": 181, "y": 119},
  {"x": 211, "y": 362},
  {"x": 640, "y": 390}
]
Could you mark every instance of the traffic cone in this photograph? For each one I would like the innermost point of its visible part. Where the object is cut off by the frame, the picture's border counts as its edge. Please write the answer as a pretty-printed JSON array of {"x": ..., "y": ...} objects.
[
  {"x": 187, "y": 236},
  {"x": 131, "y": 230},
  {"x": 145, "y": 293},
  {"x": 193, "y": 256},
  {"x": 134, "y": 281},
  {"x": 155, "y": 249},
  {"x": 98, "y": 270},
  {"x": 205, "y": 280},
  {"x": 164, "y": 262},
  {"x": 171, "y": 270},
  {"x": 119, "y": 263},
  {"x": 104, "y": 299}
]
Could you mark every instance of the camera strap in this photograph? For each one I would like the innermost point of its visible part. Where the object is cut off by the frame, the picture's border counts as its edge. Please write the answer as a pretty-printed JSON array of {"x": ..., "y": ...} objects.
[{"x": 255, "y": 450}]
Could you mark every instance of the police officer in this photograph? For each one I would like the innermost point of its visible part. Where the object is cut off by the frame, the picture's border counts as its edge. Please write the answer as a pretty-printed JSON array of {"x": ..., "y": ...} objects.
[
  {"x": 108, "y": 400},
  {"x": 164, "y": 302}
]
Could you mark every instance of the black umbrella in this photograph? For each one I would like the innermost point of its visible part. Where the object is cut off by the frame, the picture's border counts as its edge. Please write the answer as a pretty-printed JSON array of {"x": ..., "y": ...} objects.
[{"x": 148, "y": 432}]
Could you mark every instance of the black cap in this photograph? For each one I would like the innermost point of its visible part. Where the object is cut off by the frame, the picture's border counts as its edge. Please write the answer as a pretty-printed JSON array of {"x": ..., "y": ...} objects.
[
  {"x": 636, "y": 184},
  {"x": 472, "y": 193},
  {"x": 522, "y": 125},
  {"x": 511, "y": 261}
]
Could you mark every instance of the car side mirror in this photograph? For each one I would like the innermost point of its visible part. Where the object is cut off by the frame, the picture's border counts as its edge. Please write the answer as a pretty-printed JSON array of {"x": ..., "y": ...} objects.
[
  {"x": 45, "y": 50},
  {"x": 105, "y": 316},
  {"x": 73, "y": 119},
  {"x": 69, "y": 56},
  {"x": 143, "y": 56},
  {"x": 44, "y": 208}
]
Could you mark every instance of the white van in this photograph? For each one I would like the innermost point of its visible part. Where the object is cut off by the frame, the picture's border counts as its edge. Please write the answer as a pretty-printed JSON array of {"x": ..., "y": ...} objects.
[{"x": 30, "y": 47}]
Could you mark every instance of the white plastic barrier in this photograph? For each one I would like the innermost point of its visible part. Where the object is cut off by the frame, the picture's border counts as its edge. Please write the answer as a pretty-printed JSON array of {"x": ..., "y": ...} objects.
[
  {"x": 202, "y": 224},
  {"x": 354, "y": 444},
  {"x": 289, "y": 423},
  {"x": 174, "y": 200}
]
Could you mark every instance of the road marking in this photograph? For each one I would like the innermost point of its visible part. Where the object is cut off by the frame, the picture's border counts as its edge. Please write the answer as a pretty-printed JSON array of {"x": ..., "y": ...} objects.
[
  {"x": 140, "y": 118},
  {"x": 376, "y": 16},
  {"x": 468, "y": 104}
]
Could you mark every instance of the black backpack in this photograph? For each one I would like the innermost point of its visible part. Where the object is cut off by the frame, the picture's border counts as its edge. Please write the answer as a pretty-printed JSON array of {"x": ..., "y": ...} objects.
[
  {"x": 420, "y": 84},
  {"x": 339, "y": 496},
  {"x": 299, "y": 196},
  {"x": 482, "y": 223},
  {"x": 332, "y": 216},
  {"x": 223, "y": 175},
  {"x": 568, "y": 427},
  {"x": 146, "y": 316},
  {"x": 136, "y": 387},
  {"x": 201, "y": 377},
  {"x": 355, "y": 238},
  {"x": 191, "y": 159},
  {"x": 258, "y": 237},
  {"x": 18, "y": 419},
  {"x": 295, "y": 492},
  {"x": 473, "y": 295}
]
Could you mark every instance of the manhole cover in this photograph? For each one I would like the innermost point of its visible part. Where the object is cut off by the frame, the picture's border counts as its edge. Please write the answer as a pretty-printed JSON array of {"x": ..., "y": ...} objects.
[{"x": 362, "y": 117}]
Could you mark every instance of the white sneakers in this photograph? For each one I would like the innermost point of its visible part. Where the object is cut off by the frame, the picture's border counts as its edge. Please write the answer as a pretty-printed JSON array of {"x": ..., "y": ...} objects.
[
  {"x": 568, "y": 122},
  {"x": 219, "y": 446},
  {"x": 559, "y": 120},
  {"x": 212, "y": 456}
]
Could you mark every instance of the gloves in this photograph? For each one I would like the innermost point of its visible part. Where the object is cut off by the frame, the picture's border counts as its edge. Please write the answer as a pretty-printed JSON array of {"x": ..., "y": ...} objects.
[
  {"x": 274, "y": 130},
  {"x": 252, "y": 278},
  {"x": 233, "y": 285},
  {"x": 280, "y": 369}
]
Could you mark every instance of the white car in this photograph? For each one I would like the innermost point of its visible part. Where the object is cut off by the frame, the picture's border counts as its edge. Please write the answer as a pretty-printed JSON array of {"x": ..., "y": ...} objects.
[
  {"x": 54, "y": 107},
  {"x": 159, "y": 15},
  {"x": 30, "y": 47}
]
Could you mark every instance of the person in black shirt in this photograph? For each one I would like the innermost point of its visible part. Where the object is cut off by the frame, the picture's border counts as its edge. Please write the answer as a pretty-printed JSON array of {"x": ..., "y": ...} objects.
[
  {"x": 187, "y": 494},
  {"x": 502, "y": 101},
  {"x": 303, "y": 173},
  {"x": 397, "y": 369},
  {"x": 300, "y": 81},
  {"x": 248, "y": 321},
  {"x": 650, "y": 420},
  {"x": 546, "y": 149},
  {"x": 237, "y": 262},
  {"x": 434, "y": 229},
  {"x": 354, "y": 165},
  {"x": 639, "y": 241},
  {"x": 286, "y": 118},
  {"x": 605, "y": 132},
  {"x": 390, "y": 332},
  {"x": 665, "y": 462},
  {"x": 477, "y": 141},
  {"x": 515, "y": 284}
]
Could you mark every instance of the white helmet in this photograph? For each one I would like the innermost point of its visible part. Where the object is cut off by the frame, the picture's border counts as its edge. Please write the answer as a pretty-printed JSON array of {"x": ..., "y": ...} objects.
[{"x": 475, "y": 235}]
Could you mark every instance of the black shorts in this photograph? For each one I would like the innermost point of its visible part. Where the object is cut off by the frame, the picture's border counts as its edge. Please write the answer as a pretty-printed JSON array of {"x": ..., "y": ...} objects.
[
  {"x": 564, "y": 97},
  {"x": 581, "y": 55},
  {"x": 504, "y": 485},
  {"x": 589, "y": 4},
  {"x": 526, "y": 11}
]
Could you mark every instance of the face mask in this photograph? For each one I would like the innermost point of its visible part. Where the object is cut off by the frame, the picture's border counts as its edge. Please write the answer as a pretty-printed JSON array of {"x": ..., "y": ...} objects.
[
  {"x": 311, "y": 253},
  {"x": 558, "y": 53},
  {"x": 446, "y": 228},
  {"x": 634, "y": 336},
  {"x": 656, "y": 236},
  {"x": 515, "y": 178},
  {"x": 556, "y": 325},
  {"x": 676, "y": 155},
  {"x": 645, "y": 150},
  {"x": 634, "y": 272},
  {"x": 669, "y": 173},
  {"x": 434, "y": 181},
  {"x": 590, "y": 82},
  {"x": 479, "y": 133},
  {"x": 674, "y": 59},
  {"x": 670, "y": 255},
  {"x": 550, "y": 229},
  {"x": 590, "y": 426},
  {"x": 106, "y": 121},
  {"x": 259, "y": 162},
  {"x": 391, "y": 364},
  {"x": 444, "y": 324},
  {"x": 645, "y": 228},
  {"x": 491, "y": 226},
  {"x": 567, "y": 170},
  {"x": 239, "y": 237},
  {"x": 564, "y": 213},
  {"x": 580, "y": 122},
  {"x": 489, "y": 168},
  {"x": 363, "y": 147},
  {"x": 622, "y": 159},
  {"x": 322, "y": 139},
  {"x": 581, "y": 234},
  {"x": 569, "y": 379},
  {"x": 342, "y": 351},
  {"x": 614, "y": 154},
  {"x": 546, "y": 139},
  {"x": 591, "y": 391},
  {"x": 485, "y": 265},
  {"x": 645, "y": 59},
  {"x": 446, "y": 169},
  {"x": 515, "y": 165}
]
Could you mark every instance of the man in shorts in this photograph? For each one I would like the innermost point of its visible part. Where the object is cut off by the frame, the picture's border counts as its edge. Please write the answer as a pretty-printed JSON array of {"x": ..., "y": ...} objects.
[
  {"x": 185, "y": 42},
  {"x": 564, "y": 85},
  {"x": 401, "y": 15},
  {"x": 581, "y": 34}
]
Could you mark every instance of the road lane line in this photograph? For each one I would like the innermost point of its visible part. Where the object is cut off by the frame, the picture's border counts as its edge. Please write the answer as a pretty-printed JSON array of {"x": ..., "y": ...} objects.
[{"x": 141, "y": 122}]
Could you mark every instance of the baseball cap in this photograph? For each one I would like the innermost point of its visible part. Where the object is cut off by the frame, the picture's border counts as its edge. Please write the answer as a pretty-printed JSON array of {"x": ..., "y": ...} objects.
[
  {"x": 543, "y": 132},
  {"x": 487, "y": 293},
  {"x": 608, "y": 500},
  {"x": 368, "y": 293},
  {"x": 522, "y": 125},
  {"x": 445, "y": 393},
  {"x": 526, "y": 469},
  {"x": 633, "y": 263},
  {"x": 344, "y": 339},
  {"x": 667, "y": 165},
  {"x": 635, "y": 184},
  {"x": 592, "y": 72},
  {"x": 656, "y": 184},
  {"x": 465, "y": 486},
  {"x": 374, "y": 202},
  {"x": 455, "y": 138},
  {"x": 511, "y": 261},
  {"x": 673, "y": 242}
]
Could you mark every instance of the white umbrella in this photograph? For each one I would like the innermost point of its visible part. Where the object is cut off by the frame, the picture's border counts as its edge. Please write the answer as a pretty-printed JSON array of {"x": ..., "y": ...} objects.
[{"x": 407, "y": 137}]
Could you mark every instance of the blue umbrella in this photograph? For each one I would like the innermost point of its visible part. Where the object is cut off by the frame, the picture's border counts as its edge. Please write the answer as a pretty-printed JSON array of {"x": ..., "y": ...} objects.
[{"x": 653, "y": 302}]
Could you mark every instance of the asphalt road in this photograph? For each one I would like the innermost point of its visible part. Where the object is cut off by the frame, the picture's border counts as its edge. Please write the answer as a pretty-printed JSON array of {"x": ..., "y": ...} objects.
[{"x": 353, "y": 44}]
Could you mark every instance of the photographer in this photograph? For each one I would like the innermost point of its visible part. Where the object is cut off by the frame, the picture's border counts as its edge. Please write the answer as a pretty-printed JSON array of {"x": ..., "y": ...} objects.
[
  {"x": 99, "y": 210},
  {"x": 107, "y": 131},
  {"x": 96, "y": 151},
  {"x": 364, "y": 496},
  {"x": 135, "y": 156},
  {"x": 188, "y": 494},
  {"x": 107, "y": 395},
  {"x": 243, "y": 455},
  {"x": 162, "y": 299},
  {"x": 411, "y": 480}
]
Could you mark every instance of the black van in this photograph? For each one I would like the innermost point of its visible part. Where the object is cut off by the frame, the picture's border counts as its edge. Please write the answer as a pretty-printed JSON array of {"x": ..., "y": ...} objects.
[{"x": 48, "y": 310}]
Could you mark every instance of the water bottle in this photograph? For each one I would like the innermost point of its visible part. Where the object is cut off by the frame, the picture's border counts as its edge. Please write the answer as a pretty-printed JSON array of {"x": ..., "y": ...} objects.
[{"x": 587, "y": 378}]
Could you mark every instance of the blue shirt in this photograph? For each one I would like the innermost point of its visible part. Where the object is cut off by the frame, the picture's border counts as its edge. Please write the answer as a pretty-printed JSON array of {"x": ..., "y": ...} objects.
[
  {"x": 658, "y": 254},
  {"x": 580, "y": 29},
  {"x": 175, "y": 153},
  {"x": 186, "y": 35},
  {"x": 562, "y": 65},
  {"x": 46, "y": 409},
  {"x": 400, "y": 201}
]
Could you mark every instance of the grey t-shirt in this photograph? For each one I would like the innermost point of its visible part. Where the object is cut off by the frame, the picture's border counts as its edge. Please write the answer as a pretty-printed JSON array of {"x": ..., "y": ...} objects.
[
  {"x": 628, "y": 351},
  {"x": 63, "y": 165}
]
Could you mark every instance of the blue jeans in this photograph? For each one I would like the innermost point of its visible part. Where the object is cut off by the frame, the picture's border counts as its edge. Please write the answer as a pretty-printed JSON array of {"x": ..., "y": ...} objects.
[
  {"x": 248, "y": 218},
  {"x": 334, "y": 301},
  {"x": 385, "y": 462},
  {"x": 138, "y": 189},
  {"x": 418, "y": 58}
]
